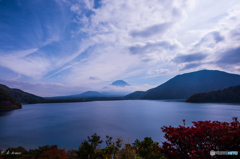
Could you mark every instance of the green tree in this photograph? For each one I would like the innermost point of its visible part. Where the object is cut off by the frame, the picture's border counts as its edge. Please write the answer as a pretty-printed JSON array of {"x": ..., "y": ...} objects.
[
  {"x": 113, "y": 147},
  {"x": 128, "y": 152},
  {"x": 88, "y": 147},
  {"x": 148, "y": 149},
  {"x": 94, "y": 140},
  {"x": 86, "y": 150}
]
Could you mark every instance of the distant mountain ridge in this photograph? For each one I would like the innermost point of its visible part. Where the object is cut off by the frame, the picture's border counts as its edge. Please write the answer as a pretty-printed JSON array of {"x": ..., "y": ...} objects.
[
  {"x": 89, "y": 94},
  {"x": 180, "y": 87},
  {"x": 135, "y": 95},
  {"x": 21, "y": 96},
  {"x": 185, "y": 85}
]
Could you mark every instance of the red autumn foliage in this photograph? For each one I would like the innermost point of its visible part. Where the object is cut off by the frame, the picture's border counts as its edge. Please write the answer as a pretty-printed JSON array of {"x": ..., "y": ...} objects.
[
  {"x": 197, "y": 141},
  {"x": 55, "y": 154}
]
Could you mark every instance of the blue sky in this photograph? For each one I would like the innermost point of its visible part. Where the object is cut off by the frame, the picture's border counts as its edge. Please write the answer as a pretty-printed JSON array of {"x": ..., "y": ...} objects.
[{"x": 63, "y": 47}]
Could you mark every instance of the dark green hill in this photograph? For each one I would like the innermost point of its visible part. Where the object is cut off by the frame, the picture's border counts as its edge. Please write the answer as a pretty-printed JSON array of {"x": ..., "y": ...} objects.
[
  {"x": 4, "y": 96},
  {"x": 21, "y": 96},
  {"x": 227, "y": 95},
  {"x": 185, "y": 85},
  {"x": 7, "y": 102}
]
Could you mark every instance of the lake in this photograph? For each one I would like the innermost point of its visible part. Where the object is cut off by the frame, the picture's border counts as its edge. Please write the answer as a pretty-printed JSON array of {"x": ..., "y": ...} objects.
[{"x": 68, "y": 124}]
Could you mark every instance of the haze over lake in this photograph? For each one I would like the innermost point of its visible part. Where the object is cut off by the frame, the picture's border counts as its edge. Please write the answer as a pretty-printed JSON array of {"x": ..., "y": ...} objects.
[{"x": 68, "y": 124}]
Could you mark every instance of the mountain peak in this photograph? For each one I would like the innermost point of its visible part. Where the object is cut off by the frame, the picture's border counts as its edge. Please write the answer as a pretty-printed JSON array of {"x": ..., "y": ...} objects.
[{"x": 120, "y": 83}]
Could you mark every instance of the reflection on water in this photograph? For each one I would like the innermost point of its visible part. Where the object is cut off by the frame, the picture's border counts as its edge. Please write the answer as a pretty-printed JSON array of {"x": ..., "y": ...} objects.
[
  {"x": 6, "y": 113},
  {"x": 68, "y": 124}
]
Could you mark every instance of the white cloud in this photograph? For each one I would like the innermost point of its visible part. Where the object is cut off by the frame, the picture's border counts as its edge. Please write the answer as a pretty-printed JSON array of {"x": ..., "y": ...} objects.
[
  {"x": 20, "y": 63},
  {"x": 120, "y": 25},
  {"x": 106, "y": 63},
  {"x": 214, "y": 44},
  {"x": 76, "y": 8},
  {"x": 127, "y": 38},
  {"x": 157, "y": 29},
  {"x": 151, "y": 46},
  {"x": 158, "y": 71},
  {"x": 89, "y": 4}
]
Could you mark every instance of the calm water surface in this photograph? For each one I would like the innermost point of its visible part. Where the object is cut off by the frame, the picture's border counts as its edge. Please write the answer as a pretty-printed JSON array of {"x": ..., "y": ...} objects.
[{"x": 68, "y": 124}]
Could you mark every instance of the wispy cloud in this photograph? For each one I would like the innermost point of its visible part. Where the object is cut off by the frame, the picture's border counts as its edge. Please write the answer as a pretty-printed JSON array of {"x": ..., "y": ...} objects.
[
  {"x": 152, "y": 46},
  {"x": 158, "y": 71},
  {"x": 230, "y": 57},
  {"x": 190, "y": 57},
  {"x": 18, "y": 62},
  {"x": 157, "y": 29},
  {"x": 190, "y": 66}
]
